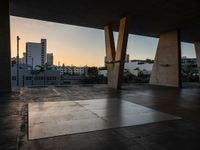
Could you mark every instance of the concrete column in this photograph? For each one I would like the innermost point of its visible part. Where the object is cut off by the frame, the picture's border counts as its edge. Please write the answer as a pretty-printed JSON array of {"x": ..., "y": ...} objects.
[
  {"x": 197, "y": 49},
  {"x": 116, "y": 58},
  {"x": 5, "y": 54},
  {"x": 167, "y": 66},
  {"x": 110, "y": 52}
]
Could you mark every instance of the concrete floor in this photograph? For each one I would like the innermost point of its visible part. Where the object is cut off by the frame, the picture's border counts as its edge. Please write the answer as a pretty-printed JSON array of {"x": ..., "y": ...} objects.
[
  {"x": 50, "y": 119},
  {"x": 181, "y": 134}
]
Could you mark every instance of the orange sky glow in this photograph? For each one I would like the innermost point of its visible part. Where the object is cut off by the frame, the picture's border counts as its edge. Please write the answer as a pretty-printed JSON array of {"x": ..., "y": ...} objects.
[
  {"x": 79, "y": 46},
  {"x": 69, "y": 44}
]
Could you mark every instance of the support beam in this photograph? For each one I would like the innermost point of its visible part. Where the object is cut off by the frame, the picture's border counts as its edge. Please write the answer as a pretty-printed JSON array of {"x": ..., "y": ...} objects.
[
  {"x": 5, "y": 54},
  {"x": 197, "y": 49},
  {"x": 116, "y": 58},
  {"x": 167, "y": 65}
]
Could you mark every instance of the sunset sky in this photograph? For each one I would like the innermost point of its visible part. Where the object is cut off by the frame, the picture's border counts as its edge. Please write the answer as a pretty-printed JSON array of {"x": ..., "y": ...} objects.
[{"x": 80, "y": 46}]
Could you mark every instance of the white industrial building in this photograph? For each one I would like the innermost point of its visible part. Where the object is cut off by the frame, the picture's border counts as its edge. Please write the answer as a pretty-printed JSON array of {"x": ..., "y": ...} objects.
[{"x": 136, "y": 67}]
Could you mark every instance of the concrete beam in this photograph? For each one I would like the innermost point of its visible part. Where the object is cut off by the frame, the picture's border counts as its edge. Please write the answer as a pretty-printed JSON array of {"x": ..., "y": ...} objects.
[
  {"x": 197, "y": 49},
  {"x": 167, "y": 65},
  {"x": 5, "y": 54},
  {"x": 116, "y": 58}
]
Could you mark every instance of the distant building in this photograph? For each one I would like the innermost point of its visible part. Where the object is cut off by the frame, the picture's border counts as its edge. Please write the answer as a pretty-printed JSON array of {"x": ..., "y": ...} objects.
[
  {"x": 36, "y": 53},
  {"x": 69, "y": 79},
  {"x": 189, "y": 64},
  {"x": 103, "y": 72},
  {"x": 21, "y": 60},
  {"x": 28, "y": 77},
  {"x": 44, "y": 51},
  {"x": 49, "y": 59},
  {"x": 24, "y": 58},
  {"x": 136, "y": 67},
  {"x": 72, "y": 70}
]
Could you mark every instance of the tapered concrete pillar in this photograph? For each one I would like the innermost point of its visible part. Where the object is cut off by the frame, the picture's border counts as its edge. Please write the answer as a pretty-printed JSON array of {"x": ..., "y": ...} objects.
[
  {"x": 167, "y": 66},
  {"x": 197, "y": 49},
  {"x": 116, "y": 58},
  {"x": 5, "y": 74}
]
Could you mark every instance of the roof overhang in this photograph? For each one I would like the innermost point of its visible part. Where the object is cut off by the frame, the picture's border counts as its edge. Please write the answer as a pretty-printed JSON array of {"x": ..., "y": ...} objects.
[{"x": 146, "y": 17}]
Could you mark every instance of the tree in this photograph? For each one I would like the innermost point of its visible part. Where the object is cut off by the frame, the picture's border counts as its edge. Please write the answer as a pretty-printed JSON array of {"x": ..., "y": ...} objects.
[
  {"x": 93, "y": 77},
  {"x": 102, "y": 68},
  {"x": 128, "y": 77},
  {"x": 13, "y": 62},
  {"x": 39, "y": 68},
  {"x": 149, "y": 61},
  {"x": 92, "y": 72}
]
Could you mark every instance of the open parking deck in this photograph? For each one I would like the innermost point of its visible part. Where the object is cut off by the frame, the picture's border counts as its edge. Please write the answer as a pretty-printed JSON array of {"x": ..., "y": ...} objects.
[{"x": 169, "y": 134}]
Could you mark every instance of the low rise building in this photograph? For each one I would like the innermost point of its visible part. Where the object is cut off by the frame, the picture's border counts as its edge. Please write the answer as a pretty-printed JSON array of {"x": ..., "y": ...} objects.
[
  {"x": 189, "y": 64},
  {"x": 136, "y": 67},
  {"x": 28, "y": 77},
  {"x": 72, "y": 70}
]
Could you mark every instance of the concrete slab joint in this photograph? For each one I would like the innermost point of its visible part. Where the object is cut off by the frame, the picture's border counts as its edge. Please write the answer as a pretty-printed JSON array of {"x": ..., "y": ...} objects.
[
  {"x": 115, "y": 58},
  {"x": 166, "y": 69}
]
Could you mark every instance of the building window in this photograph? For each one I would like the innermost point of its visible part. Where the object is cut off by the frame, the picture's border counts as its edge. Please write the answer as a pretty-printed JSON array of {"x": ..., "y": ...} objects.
[
  {"x": 28, "y": 78},
  {"x": 14, "y": 78}
]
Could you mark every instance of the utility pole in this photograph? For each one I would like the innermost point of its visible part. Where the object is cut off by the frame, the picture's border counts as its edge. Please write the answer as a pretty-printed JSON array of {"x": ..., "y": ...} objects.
[
  {"x": 18, "y": 60},
  {"x": 32, "y": 71}
]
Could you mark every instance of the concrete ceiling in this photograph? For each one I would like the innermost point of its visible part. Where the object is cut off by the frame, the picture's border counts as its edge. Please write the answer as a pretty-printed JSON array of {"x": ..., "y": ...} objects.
[{"x": 147, "y": 17}]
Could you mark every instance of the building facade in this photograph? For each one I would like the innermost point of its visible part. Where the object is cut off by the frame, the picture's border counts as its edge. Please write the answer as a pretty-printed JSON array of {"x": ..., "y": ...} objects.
[
  {"x": 36, "y": 53},
  {"x": 72, "y": 70},
  {"x": 189, "y": 64},
  {"x": 134, "y": 67},
  {"x": 29, "y": 77},
  {"x": 49, "y": 59}
]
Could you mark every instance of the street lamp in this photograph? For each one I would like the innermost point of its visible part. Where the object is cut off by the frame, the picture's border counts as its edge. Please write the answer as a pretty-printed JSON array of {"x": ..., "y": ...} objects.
[{"x": 18, "y": 60}]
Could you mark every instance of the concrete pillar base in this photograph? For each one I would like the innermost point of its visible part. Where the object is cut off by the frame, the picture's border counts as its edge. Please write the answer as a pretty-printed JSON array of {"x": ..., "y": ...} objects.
[{"x": 167, "y": 65}]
